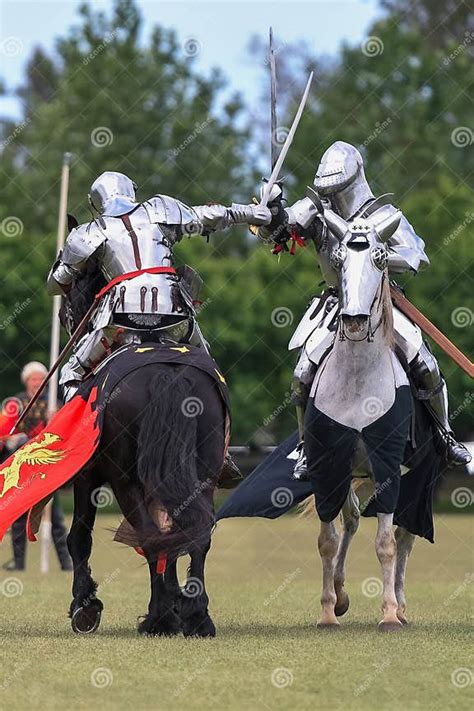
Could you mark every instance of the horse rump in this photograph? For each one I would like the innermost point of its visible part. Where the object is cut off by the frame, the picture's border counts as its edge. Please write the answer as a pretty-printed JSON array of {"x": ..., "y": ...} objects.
[{"x": 179, "y": 503}]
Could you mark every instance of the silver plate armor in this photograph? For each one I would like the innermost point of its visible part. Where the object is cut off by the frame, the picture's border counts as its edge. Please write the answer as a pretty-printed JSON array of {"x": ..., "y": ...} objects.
[
  {"x": 340, "y": 176},
  {"x": 113, "y": 194}
]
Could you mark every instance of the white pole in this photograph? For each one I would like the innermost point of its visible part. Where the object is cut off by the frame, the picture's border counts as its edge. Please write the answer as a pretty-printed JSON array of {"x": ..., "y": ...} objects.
[{"x": 46, "y": 526}]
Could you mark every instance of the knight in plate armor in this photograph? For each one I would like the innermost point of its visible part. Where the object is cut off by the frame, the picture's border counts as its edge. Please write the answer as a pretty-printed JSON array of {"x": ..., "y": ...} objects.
[
  {"x": 340, "y": 184},
  {"x": 132, "y": 244}
]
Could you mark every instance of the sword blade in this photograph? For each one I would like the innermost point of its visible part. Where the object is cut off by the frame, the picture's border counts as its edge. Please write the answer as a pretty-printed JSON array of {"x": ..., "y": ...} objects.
[
  {"x": 289, "y": 140},
  {"x": 273, "y": 115}
]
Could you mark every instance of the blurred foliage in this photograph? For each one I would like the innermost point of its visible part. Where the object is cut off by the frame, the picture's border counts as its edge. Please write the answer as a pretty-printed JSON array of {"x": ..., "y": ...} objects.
[{"x": 401, "y": 98}]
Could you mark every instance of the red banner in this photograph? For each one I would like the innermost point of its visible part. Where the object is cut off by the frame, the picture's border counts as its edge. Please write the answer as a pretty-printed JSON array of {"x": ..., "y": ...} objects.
[{"x": 49, "y": 460}]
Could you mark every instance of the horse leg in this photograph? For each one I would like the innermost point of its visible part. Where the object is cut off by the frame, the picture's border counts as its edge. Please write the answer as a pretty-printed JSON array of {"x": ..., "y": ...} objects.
[
  {"x": 350, "y": 523},
  {"x": 328, "y": 542},
  {"x": 86, "y": 609},
  {"x": 386, "y": 549},
  {"x": 405, "y": 541},
  {"x": 163, "y": 618},
  {"x": 194, "y": 602}
]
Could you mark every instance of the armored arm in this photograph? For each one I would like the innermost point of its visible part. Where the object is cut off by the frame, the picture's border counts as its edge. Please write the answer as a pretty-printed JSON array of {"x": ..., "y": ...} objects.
[
  {"x": 210, "y": 218},
  {"x": 406, "y": 251},
  {"x": 80, "y": 245},
  {"x": 201, "y": 219}
]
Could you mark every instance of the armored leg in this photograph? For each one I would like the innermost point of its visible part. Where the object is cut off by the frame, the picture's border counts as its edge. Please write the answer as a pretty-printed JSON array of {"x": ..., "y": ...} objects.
[
  {"x": 197, "y": 338},
  {"x": 90, "y": 350},
  {"x": 300, "y": 388},
  {"x": 431, "y": 388}
]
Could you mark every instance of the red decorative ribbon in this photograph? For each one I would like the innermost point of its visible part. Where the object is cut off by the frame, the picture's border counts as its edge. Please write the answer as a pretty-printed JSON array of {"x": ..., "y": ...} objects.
[{"x": 132, "y": 275}]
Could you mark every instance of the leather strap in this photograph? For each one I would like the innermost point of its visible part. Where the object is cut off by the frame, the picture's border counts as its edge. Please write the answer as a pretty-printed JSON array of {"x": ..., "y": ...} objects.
[{"x": 136, "y": 250}]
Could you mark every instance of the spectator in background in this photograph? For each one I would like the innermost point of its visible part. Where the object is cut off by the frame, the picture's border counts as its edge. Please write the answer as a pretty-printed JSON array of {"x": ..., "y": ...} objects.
[{"x": 32, "y": 376}]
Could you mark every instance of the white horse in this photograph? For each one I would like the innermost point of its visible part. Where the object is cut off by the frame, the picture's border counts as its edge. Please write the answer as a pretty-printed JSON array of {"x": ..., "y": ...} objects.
[{"x": 360, "y": 390}]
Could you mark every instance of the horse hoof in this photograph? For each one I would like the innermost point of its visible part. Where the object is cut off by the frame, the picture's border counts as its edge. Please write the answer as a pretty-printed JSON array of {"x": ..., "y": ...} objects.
[
  {"x": 342, "y": 604},
  {"x": 86, "y": 620},
  {"x": 402, "y": 619},
  {"x": 198, "y": 626},
  {"x": 166, "y": 626},
  {"x": 390, "y": 626}
]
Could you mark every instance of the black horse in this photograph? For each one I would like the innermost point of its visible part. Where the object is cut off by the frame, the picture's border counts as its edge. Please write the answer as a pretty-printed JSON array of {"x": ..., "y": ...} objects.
[{"x": 162, "y": 462}]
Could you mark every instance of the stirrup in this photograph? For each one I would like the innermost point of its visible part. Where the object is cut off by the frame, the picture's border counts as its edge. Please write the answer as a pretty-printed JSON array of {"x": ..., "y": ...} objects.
[
  {"x": 300, "y": 471},
  {"x": 230, "y": 475},
  {"x": 457, "y": 454}
]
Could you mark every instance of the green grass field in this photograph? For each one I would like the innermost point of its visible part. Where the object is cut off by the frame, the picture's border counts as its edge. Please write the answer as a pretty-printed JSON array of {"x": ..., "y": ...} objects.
[{"x": 264, "y": 584}]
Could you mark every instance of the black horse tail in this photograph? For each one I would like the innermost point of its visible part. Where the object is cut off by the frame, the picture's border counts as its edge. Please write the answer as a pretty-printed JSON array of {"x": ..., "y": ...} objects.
[{"x": 167, "y": 465}]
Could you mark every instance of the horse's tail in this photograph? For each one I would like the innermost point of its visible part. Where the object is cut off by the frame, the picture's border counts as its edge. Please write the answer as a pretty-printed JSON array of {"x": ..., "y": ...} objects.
[{"x": 167, "y": 470}]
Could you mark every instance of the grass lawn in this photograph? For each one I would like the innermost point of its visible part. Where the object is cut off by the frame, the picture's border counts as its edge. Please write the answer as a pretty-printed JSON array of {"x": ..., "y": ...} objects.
[{"x": 264, "y": 584}]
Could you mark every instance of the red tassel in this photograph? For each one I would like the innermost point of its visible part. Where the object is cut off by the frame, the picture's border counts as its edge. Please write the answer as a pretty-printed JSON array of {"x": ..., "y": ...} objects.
[{"x": 161, "y": 563}]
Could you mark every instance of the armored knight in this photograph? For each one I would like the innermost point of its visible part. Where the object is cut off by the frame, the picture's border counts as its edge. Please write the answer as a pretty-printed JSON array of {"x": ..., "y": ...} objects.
[
  {"x": 132, "y": 244},
  {"x": 341, "y": 185}
]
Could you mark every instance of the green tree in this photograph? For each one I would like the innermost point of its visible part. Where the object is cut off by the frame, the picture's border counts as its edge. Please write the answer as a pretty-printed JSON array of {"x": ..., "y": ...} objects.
[
  {"x": 402, "y": 97},
  {"x": 116, "y": 103}
]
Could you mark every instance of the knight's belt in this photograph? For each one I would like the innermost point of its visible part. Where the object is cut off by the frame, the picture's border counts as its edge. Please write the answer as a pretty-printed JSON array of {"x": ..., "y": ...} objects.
[{"x": 131, "y": 275}]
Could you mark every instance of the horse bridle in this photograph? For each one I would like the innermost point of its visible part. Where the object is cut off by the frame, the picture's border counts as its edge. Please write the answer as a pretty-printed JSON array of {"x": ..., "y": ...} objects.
[{"x": 369, "y": 336}]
